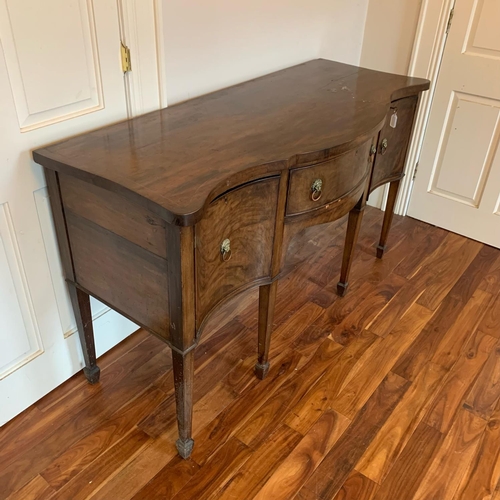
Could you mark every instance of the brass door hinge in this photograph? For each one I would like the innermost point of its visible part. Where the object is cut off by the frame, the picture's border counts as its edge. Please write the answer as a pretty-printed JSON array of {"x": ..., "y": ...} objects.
[
  {"x": 126, "y": 62},
  {"x": 415, "y": 171},
  {"x": 450, "y": 20}
]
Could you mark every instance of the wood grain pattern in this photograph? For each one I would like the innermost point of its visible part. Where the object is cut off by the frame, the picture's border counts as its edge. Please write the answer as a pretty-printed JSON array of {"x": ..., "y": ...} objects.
[
  {"x": 483, "y": 477},
  {"x": 338, "y": 176},
  {"x": 89, "y": 441},
  {"x": 452, "y": 459},
  {"x": 454, "y": 387},
  {"x": 356, "y": 487},
  {"x": 114, "y": 213},
  {"x": 306, "y": 456},
  {"x": 491, "y": 321},
  {"x": 377, "y": 360},
  {"x": 406, "y": 475},
  {"x": 245, "y": 216},
  {"x": 400, "y": 426},
  {"x": 261, "y": 465},
  {"x": 333, "y": 471}
]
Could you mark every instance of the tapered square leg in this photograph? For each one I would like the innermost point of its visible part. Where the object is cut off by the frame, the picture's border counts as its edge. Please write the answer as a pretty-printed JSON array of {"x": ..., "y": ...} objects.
[
  {"x": 267, "y": 300},
  {"x": 388, "y": 216},
  {"x": 353, "y": 226},
  {"x": 183, "y": 365},
  {"x": 83, "y": 316}
]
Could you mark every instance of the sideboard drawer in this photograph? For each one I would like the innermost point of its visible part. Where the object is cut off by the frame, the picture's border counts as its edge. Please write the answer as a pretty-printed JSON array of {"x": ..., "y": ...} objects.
[
  {"x": 234, "y": 242},
  {"x": 315, "y": 186},
  {"x": 394, "y": 142}
]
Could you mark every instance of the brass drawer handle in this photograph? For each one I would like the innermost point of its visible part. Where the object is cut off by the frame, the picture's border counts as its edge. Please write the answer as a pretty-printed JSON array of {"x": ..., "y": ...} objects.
[
  {"x": 384, "y": 146},
  {"x": 225, "y": 250},
  {"x": 316, "y": 188}
]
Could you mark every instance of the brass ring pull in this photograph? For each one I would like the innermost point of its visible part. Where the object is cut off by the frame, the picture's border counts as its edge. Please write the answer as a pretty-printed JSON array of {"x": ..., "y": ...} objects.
[
  {"x": 384, "y": 146},
  {"x": 316, "y": 188},
  {"x": 225, "y": 250}
]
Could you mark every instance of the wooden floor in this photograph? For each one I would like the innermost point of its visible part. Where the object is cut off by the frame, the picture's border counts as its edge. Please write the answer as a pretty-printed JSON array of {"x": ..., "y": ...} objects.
[{"x": 391, "y": 393}]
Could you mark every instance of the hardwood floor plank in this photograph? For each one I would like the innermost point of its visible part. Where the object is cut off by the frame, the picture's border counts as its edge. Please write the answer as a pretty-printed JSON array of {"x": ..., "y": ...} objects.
[
  {"x": 212, "y": 477},
  {"x": 263, "y": 421},
  {"x": 446, "y": 314},
  {"x": 491, "y": 320},
  {"x": 333, "y": 471},
  {"x": 485, "y": 393},
  {"x": 169, "y": 481},
  {"x": 108, "y": 399},
  {"x": 355, "y": 322},
  {"x": 378, "y": 360},
  {"x": 303, "y": 460},
  {"x": 453, "y": 458},
  {"x": 491, "y": 280},
  {"x": 458, "y": 381},
  {"x": 466, "y": 324},
  {"x": 389, "y": 315},
  {"x": 407, "y": 472},
  {"x": 85, "y": 451},
  {"x": 398, "y": 429},
  {"x": 332, "y": 317},
  {"x": 446, "y": 272},
  {"x": 227, "y": 423},
  {"x": 473, "y": 277},
  {"x": 36, "y": 489},
  {"x": 261, "y": 465},
  {"x": 430, "y": 242},
  {"x": 79, "y": 402},
  {"x": 357, "y": 487},
  {"x": 311, "y": 406},
  {"x": 483, "y": 476},
  {"x": 108, "y": 464}
]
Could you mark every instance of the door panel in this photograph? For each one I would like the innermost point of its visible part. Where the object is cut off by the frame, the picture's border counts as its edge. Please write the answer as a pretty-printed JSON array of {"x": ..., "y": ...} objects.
[
  {"x": 458, "y": 181},
  {"x": 60, "y": 75}
]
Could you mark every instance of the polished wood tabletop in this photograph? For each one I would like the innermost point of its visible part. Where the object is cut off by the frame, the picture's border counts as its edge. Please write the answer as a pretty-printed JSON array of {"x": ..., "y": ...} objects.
[{"x": 176, "y": 160}]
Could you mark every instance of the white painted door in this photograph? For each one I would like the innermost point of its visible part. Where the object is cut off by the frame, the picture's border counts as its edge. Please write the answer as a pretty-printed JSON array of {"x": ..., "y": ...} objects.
[
  {"x": 458, "y": 182},
  {"x": 60, "y": 75}
]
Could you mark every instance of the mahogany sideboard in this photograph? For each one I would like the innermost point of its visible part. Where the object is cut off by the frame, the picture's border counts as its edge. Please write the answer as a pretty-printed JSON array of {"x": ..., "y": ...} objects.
[{"x": 165, "y": 216}]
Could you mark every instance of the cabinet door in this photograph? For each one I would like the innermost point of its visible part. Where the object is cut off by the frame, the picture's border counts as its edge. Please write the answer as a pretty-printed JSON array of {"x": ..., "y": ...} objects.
[
  {"x": 394, "y": 141},
  {"x": 234, "y": 243}
]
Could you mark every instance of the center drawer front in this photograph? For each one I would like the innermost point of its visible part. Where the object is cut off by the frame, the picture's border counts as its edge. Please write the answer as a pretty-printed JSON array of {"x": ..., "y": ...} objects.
[
  {"x": 315, "y": 186},
  {"x": 241, "y": 223}
]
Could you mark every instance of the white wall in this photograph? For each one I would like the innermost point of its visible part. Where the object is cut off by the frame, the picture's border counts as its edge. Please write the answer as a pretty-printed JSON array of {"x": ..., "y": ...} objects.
[
  {"x": 388, "y": 44},
  {"x": 214, "y": 44},
  {"x": 389, "y": 34}
]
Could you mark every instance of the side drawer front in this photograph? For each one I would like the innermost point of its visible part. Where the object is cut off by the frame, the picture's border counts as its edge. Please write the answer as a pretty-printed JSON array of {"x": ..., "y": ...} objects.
[
  {"x": 390, "y": 160},
  {"x": 244, "y": 219},
  {"x": 335, "y": 178}
]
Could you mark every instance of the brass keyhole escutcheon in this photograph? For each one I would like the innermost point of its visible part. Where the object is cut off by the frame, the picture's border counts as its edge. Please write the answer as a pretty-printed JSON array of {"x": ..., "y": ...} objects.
[
  {"x": 225, "y": 250},
  {"x": 316, "y": 188},
  {"x": 384, "y": 146}
]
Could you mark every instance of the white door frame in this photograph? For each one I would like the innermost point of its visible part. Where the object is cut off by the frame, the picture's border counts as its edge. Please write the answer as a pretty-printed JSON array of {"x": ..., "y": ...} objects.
[
  {"x": 428, "y": 50},
  {"x": 141, "y": 29}
]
